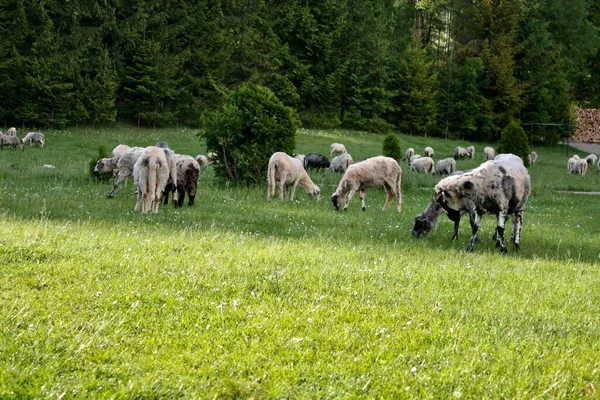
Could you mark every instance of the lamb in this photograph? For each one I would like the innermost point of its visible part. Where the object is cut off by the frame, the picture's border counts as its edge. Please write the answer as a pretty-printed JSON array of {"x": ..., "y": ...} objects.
[
  {"x": 202, "y": 161},
  {"x": 288, "y": 172},
  {"x": 591, "y": 159},
  {"x": 372, "y": 172},
  {"x": 337, "y": 148},
  {"x": 12, "y": 132},
  {"x": 428, "y": 152},
  {"x": 488, "y": 153},
  {"x": 120, "y": 150},
  {"x": 315, "y": 161},
  {"x": 445, "y": 166},
  {"x": 580, "y": 167},
  {"x": 13, "y": 141},
  {"x": 150, "y": 173},
  {"x": 341, "y": 163},
  {"x": 471, "y": 151},
  {"x": 124, "y": 167},
  {"x": 424, "y": 164},
  {"x": 460, "y": 152},
  {"x": 188, "y": 170},
  {"x": 533, "y": 156},
  {"x": 408, "y": 155},
  {"x": 500, "y": 186}
]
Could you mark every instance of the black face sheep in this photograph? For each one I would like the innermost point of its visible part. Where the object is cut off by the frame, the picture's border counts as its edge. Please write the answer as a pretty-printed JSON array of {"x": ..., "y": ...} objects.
[
  {"x": 341, "y": 163},
  {"x": 372, "y": 172},
  {"x": 488, "y": 153},
  {"x": 288, "y": 173},
  {"x": 500, "y": 187},
  {"x": 428, "y": 152},
  {"x": 13, "y": 141},
  {"x": 408, "y": 155},
  {"x": 445, "y": 166},
  {"x": 428, "y": 219},
  {"x": 337, "y": 148},
  {"x": 125, "y": 166},
  {"x": 422, "y": 164},
  {"x": 150, "y": 173},
  {"x": 315, "y": 161},
  {"x": 460, "y": 152},
  {"x": 533, "y": 156},
  {"x": 188, "y": 170}
]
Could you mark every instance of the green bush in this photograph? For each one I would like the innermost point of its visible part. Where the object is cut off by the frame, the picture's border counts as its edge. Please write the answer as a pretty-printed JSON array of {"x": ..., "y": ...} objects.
[
  {"x": 102, "y": 153},
  {"x": 391, "y": 146},
  {"x": 252, "y": 125},
  {"x": 514, "y": 140}
]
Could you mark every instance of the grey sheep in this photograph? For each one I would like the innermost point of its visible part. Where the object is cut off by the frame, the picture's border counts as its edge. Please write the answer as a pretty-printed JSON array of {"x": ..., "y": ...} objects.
[
  {"x": 13, "y": 141},
  {"x": 445, "y": 166},
  {"x": 340, "y": 163},
  {"x": 422, "y": 164}
]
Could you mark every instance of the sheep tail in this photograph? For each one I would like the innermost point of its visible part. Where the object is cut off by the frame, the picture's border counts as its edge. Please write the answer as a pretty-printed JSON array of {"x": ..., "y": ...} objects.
[
  {"x": 271, "y": 170},
  {"x": 152, "y": 178}
]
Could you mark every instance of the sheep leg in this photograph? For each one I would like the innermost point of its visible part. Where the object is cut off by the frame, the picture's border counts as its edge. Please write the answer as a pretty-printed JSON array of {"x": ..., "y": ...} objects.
[
  {"x": 500, "y": 230},
  {"x": 121, "y": 179},
  {"x": 389, "y": 194},
  {"x": 517, "y": 226},
  {"x": 293, "y": 190},
  {"x": 281, "y": 188},
  {"x": 138, "y": 200},
  {"x": 475, "y": 220},
  {"x": 349, "y": 198},
  {"x": 362, "y": 195}
]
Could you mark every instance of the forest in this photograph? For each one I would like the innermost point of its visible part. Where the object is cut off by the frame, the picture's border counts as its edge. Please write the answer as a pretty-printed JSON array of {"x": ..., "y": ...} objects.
[{"x": 444, "y": 68}]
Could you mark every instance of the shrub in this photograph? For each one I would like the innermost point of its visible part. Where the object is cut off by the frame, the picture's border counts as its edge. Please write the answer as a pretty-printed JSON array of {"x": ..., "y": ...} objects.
[
  {"x": 514, "y": 140},
  {"x": 102, "y": 153},
  {"x": 252, "y": 125},
  {"x": 391, "y": 146}
]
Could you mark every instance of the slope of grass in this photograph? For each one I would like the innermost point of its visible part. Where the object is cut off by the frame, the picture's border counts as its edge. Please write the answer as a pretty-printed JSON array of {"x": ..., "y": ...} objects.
[{"x": 236, "y": 297}]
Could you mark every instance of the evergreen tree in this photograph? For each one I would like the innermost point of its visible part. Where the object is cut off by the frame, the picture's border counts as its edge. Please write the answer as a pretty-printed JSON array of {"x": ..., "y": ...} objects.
[{"x": 514, "y": 140}]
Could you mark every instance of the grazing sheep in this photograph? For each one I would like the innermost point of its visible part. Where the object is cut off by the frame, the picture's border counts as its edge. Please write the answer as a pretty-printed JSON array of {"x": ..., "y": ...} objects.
[
  {"x": 488, "y": 153},
  {"x": 337, "y": 148},
  {"x": 150, "y": 173},
  {"x": 13, "y": 141},
  {"x": 460, "y": 152},
  {"x": 591, "y": 159},
  {"x": 124, "y": 169},
  {"x": 533, "y": 156},
  {"x": 341, "y": 163},
  {"x": 408, "y": 155},
  {"x": 288, "y": 172},
  {"x": 571, "y": 162},
  {"x": 428, "y": 152},
  {"x": 300, "y": 157},
  {"x": 428, "y": 219},
  {"x": 37, "y": 137},
  {"x": 202, "y": 161},
  {"x": 372, "y": 172},
  {"x": 500, "y": 186},
  {"x": 580, "y": 167},
  {"x": 120, "y": 150},
  {"x": 471, "y": 151},
  {"x": 413, "y": 158},
  {"x": 188, "y": 170},
  {"x": 423, "y": 164},
  {"x": 445, "y": 166},
  {"x": 213, "y": 157},
  {"x": 12, "y": 132},
  {"x": 315, "y": 161},
  {"x": 106, "y": 165}
]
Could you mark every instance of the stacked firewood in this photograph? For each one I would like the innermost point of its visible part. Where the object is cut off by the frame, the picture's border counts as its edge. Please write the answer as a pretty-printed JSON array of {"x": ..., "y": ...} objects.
[{"x": 588, "y": 125}]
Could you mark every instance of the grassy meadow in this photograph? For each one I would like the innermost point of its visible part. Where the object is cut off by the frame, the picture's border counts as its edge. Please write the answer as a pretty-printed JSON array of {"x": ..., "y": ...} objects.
[{"x": 239, "y": 298}]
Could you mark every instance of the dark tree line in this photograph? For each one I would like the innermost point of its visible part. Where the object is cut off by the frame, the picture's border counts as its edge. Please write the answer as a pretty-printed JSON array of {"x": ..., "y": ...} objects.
[{"x": 454, "y": 68}]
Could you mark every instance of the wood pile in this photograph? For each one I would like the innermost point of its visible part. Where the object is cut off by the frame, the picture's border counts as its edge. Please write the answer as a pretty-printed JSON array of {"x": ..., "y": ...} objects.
[{"x": 588, "y": 125}]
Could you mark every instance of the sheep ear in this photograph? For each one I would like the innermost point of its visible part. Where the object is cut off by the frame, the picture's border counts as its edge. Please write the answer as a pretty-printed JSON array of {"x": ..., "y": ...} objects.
[{"x": 468, "y": 185}]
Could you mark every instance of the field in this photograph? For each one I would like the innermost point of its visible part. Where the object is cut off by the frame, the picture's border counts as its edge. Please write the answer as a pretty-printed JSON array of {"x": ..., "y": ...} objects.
[{"x": 240, "y": 298}]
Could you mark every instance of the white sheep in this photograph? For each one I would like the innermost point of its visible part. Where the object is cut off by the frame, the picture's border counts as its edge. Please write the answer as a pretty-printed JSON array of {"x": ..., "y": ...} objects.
[
  {"x": 471, "y": 151},
  {"x": 488, "y": 153},
  {"x": 340, "y": 163},
  {"x": 150, "y": 173},
  {"x": 119, "y": 150},
  {"x": 202, "y": 161},
  {"x": 445, "y": 166},
  {"x": 337, "y": 148},
  {"x": 13, "y": 141},
  {"x": 591, "y": 159},
  {"x": 533, "y": 156},
  {"x": 428, "y": 152},
  {"x": 460, "y": 152},
  {"x": 422, "y": 164},
  {"x": 580, "y": 167},
  {"x": 288, "y": 172},
  {"x": 571, "y": 162},
  {"x": 372, "y": 172},
  {"x": 12, "y": 132},
  {"x": 500, "y": 186},
  {"x": 408, "y": 155},
  {"x": 124, "y": 167},
  {"x": 37, "y": 137}
]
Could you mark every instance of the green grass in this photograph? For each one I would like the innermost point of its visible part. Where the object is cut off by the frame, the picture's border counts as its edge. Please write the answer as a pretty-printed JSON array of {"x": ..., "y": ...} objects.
[{"x": 238, "y": 298}]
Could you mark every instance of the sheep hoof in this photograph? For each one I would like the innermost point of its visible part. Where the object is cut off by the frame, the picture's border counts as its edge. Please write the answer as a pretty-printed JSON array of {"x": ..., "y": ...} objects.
[
  {"x": 364, "y": 208},
  {"x": 517, "y": 247},
  {"x": 503, "y": 250},
  {"x": 110, "y": 196}
]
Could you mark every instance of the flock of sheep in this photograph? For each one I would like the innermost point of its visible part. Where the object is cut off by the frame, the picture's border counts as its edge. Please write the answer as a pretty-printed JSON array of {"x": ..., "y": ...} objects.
[
  {"x": 11, "y": 139},
  {"x": 157, "y": 171}
]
